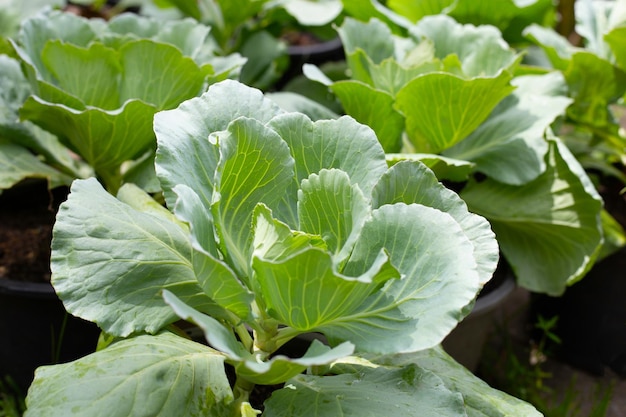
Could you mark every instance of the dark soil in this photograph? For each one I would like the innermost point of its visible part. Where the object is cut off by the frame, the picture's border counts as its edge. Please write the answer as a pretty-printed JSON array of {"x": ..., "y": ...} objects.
[{"x": 27, "y": 214}]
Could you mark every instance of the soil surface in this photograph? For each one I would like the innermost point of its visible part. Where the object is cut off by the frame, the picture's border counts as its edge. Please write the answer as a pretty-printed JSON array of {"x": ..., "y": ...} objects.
[{"x": 27, "y": 214}]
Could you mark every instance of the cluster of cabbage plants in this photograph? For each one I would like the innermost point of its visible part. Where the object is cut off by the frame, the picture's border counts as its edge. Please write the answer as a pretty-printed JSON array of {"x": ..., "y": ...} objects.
[
  {"x": 456, "y": 97},
  {"x": 277, "y": 227},
  {"x": 269, "y": 227},
  {"x": 94, "y": 87}
]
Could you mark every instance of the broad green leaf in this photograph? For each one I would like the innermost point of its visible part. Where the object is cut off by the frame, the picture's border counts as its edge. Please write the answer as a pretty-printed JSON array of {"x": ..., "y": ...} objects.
[
  {"x": 411, "y": 182},
  {"x": 368, "y": 392},
  {"x": 144, "y": 375},
  {"x": 331, "y": 207},
  {"x": 216, "y": 278},
  {"x": 549, "y": 242},
  {"x": 18, "y": 163},
  {"x": 220, "y": 283},
  {"x": 105, "y": 139},
  {"x": 96, "y": 84},
  {"x": 252, "y": 366},
  {"x": 415, "y": 11},
  {"x": 444, "y": 168},
  {"x": 185, "y": 131},
  {"x": 188, "y": 8},
  {"x": 481, "y": 49},
  {"x": 314, "y": 12},
  {"x": 306, "y": 292},
  {"x": 443, "y": 109},
  {"x": 217, "y": 334},
  {"x": 343, "y": 144},
  {"x": 616, "y": 39},
  {"x": 480, "y": 399},
  {"x": 158, "y": 74},
  {"x": 12, "y": 12},
  {"x": 186, "y": 34},
  {"x": 419, "y": 310},
  {"x": 373, "y": 37},
  {"x": 510, "y": 145},
  {"x": 365, "y": 44},
  {"x": 118, "y": 286},
  {"x": 556, "y": 47},
  {"x": 366, "y": 9},
  {"x": 255, "y": 166},
  {"x": 391, "y": 76},
  {"x": 14, "y": 89},
  {"x": 594, "y": 84},
  {"x": 374, "y": 108},
  {"x": 594, "y": 19},
  {"x": 38, "y": 30}
]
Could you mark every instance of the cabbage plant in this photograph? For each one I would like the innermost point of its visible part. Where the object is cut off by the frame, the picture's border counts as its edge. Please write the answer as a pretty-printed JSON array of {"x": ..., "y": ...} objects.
[
  {"x": 276, "y": 227},
  {"x": 450, "y": 95},
  {"x": 96, "y": 85}
]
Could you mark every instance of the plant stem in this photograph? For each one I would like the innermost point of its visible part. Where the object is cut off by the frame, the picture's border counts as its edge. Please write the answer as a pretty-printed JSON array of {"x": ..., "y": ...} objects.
[{"x": 241, "y": 391}]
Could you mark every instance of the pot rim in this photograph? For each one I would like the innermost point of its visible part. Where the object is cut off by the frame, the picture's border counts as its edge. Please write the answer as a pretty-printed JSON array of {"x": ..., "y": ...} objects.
[{"x": 43, "y": 290}]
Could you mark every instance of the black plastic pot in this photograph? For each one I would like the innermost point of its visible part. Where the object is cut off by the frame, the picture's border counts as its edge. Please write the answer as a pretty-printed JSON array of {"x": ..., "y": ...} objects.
[
  {"x": 591, "y": 317},
  {"x": 467, "y": 341},
  {"x": 36, "y": 330}
]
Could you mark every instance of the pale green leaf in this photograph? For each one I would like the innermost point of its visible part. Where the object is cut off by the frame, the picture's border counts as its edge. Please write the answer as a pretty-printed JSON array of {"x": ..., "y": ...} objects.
[
  {"x": 411, "y": 182},
  {"x": 158, "y": 74},
  {"x": 594, "y": 84},
  {"x": 96, "y": 84},
  {"x": 14, "y": 89},
  {"x": 187, "y": 35},
  {"x": 343, "y": 144},
  {"x": 38, "y": 30},
  {"x": 510, "y": 145},
  {"x": 306, "y": 292},
  {"x": 415, "y": 11},
  {"x": 374, "y": 108},
  {"x": 557, "y": 48},
  {"x": 331, "y": 207},
  {"x": 119, "y": 286},
  {"x": 145, "y": 375},
  {"x": 314, "y": 12},
  {"x": 444, "y": 168},
  {"x": 216, "y": 278},
  {"x": 365, "y": 44},
  {"x": 443, "y": 109},
  {"x": 12, "y": 12},
  {"x": 369, "y": 392},
  {"x": 217, "y": 334},
  {"x": 255, "y": 166},
  {"x": 105, "y": 139},
  {"x": 549, "y": 242},
  {"x": 480, "y": 399},
  {"x": 373, "y": 37},
  {"x": 185, "y": 131},
  {"x": 18, "y": 163},
  {"x": 419, "y": 310},
  {"x": 366, "y": 9},
  {"x": 481, "y": 49}
]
